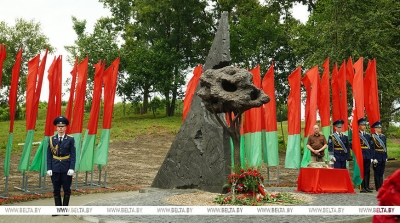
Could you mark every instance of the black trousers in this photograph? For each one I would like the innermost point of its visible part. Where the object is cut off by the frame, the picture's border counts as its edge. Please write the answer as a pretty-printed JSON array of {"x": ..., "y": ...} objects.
[{"x": 61, "y": 179}]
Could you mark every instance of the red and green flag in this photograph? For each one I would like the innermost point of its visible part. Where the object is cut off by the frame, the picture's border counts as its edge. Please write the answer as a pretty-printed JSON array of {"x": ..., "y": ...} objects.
[
  {"x": 358, "y": 94},
  {"x": 270, "y": 129},
  {"x": 293, "y": 150},
  {"x": 191, "y": 90},
  {"x": 310, "y": 81},
  {"x": 110, "y": 77},
  {"x": 12, "y": 102},
  {"x": 253, "y": 128},
  {"x": 371, "y": 98},
  {"x": 324, "y": 103},
  {"x": 76, "y": 126},
  {"x": 89, "y": 140}
]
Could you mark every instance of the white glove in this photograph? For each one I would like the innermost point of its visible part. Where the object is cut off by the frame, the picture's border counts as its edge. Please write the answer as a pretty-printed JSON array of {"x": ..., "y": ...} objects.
[
  {"x": 49, "y": 172},
  {"x": 375, "y": 161},
  {"x": 70, "y": 172},
  {"x": 372, "y": 160},
  {"x": 333, "y": 158},
  {"x": 386, "y": 160}
]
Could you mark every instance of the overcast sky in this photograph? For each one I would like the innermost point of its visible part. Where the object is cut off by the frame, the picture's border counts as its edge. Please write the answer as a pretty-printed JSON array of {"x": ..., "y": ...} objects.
[{"x": 55, "y": 19}]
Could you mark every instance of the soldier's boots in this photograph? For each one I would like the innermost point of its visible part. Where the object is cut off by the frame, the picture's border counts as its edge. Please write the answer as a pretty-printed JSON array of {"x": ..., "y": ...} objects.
[
  {"x": 363, "y": 190},
  {"x": 367, "y": 185},
  {"x": 57, "y": 201},
  {"x": 66, "y": 200}
]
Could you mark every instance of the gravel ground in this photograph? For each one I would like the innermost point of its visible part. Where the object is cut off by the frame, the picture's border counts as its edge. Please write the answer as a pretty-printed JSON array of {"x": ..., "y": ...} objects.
[{"x": 160, "y": 197}]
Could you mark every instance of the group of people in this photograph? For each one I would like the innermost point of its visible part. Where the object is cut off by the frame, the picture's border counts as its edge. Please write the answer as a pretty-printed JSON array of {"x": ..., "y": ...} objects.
[{"x": 373, "y": 147}]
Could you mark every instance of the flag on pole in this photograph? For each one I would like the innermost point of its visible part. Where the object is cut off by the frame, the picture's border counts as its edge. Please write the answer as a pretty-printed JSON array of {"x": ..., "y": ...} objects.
[
  {"x": 371, "y": 97},
  {"x": 89, "y": 140},
  {"x": 76, "y": 125},
  {"x": 293, "y": 150},
  {"x": 335, "y": 94},
  {"x": 3, "y": 55},
  {"x": 270, "y": 139},
  {"x": 68, "y": 110},
  {"x": 358, "y": 94},
  {"x": 324, "y": 103},
  {"x": 12, "y": 102},
  {"x": 110, "y": 77},
  {"x": 253, "y": 128},
  {"x": 191, "y": 90},
  {"x": 310, "y": 81}
]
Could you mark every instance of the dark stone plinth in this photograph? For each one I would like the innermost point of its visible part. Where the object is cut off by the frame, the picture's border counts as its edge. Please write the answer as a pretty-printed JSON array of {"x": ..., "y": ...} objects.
[{"x": 200, "y": 155}]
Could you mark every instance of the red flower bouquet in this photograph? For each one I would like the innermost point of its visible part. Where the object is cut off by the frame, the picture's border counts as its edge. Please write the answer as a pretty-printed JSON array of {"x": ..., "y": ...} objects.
[
  {"x": 250, "y": 181},
  {"x": 389, "y": 195}
]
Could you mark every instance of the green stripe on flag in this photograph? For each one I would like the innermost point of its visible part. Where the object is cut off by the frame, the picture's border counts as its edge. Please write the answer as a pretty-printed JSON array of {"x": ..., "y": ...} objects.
[
  {"x": 39, "y": 162},
  {"x": 8, "y": 155},
  {"x": 270, "y": 148},
  {"x": 242, "y": 152},
  {"x": 26, "y": 153},
  {"x": 326, "y": 131},
  {"x": 356, "y": 172},
  {"x": 101, "y": 152},
  {"x": 253, "y": 148},
  {"x": 306, "y": 154},
  {"x": 292, "y": 159},
  {"x": 78, "y": 143},
  {"x": 86, "y": 163}
]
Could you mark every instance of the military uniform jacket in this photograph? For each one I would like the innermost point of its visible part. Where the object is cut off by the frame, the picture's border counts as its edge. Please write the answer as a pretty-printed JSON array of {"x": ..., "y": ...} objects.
[
  {"x": 379, "y": 153},
  {"x": 366, "y": 147},
  {"x": 338, "y": 151},
  {"x": 58, "y": 152}
]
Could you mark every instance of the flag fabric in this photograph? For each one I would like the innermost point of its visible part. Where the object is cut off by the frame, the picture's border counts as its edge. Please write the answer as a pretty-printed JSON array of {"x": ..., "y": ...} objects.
[
  {"x": 253, "y": 128},
  {"x": 310, "y": 81},
  {"x": 89, "y": 140},
  {"x": 12, "y": 102},
  {"x": 358, "y": 94},
  {"x": 371, "y": 98},
  {"x": 3, "y": 55},
  {"x": 292, "y": 159},
  {"x": 191, "y": 90},
  {"x": 75, "y": 127},
  {"x": 324, "y": 103},
  {"x": 110, "y": 77},
  {"x": 339, "y": 97},
  {"x": 68, "y": 110},
  {"x": 270, "y": 139},
  {"x": 358, "y": 88},
  {"x": 350, "y": 71},
  {"x": 358, "y": 166},
  {"x": 335, "y": 94}
]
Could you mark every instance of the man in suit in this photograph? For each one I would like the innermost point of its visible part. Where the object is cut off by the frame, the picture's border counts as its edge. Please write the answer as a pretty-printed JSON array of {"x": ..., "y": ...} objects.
[
  {"x": 61, "y": 154},
  {"x": 339, "y": 146},
  {"x": 379, "y": 155},
  {"x": 366, "y": 147}
]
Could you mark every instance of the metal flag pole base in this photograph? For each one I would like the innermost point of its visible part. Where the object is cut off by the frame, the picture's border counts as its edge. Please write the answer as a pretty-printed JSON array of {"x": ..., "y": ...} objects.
[
  {"x": 4, "y": 195},
  {"x": 278, "y": 180}
]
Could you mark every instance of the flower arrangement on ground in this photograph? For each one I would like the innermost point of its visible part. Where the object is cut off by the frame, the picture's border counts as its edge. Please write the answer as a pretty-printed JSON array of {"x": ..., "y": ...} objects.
[
  {"x": 246, "y": 187},
  {"x": 389, "y": 195}
]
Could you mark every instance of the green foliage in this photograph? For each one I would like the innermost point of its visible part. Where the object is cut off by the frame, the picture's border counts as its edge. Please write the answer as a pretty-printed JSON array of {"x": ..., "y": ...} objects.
[{"x": 29, "y": 36}]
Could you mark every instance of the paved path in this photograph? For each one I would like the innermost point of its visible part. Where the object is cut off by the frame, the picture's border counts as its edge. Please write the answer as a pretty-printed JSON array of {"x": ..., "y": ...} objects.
[{"x": 155, "y": 197}]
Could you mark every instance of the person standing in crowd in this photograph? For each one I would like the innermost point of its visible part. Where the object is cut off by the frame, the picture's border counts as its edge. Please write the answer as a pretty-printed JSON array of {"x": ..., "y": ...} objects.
[
  {"x": 366, "y": 145},
  {"x": 61, "y": 155},
  {"x": 339, "y": 146},
  {"x": 380, "y": 154},
  {"x": 317, "y": 144}
]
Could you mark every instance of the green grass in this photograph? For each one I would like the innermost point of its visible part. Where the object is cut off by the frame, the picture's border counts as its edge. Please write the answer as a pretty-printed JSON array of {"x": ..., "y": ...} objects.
[{"x": 130, "y": 125}]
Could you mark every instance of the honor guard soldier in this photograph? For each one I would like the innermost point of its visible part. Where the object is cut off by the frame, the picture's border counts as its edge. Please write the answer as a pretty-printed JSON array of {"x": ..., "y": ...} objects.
[
  {"x": 339, "y": 145},
  {"x": 61, "y": 154},
  {"x": 366, "y": 145},
  {"x": 380, "y": 154}
]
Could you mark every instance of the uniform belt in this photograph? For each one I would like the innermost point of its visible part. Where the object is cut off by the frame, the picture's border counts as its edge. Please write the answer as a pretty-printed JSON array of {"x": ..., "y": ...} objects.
[
  {"x": 338, "y": 148},
  {"x": 380, "y": 150},
  {"x": 364, "y": 147},
  {"x": 60, "y": 157}
]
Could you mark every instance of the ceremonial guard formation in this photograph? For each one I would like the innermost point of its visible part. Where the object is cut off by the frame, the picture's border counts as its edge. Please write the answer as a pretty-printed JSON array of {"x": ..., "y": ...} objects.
[
  {"x": 380, "y": 154},
  {"x": 366, "y": 147},
  {"x": 61, "y": 154},
  {"x": 339, "y": 146}
]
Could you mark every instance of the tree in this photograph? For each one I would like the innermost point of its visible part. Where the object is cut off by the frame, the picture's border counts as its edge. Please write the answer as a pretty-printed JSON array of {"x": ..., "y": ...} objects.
[
  {"x": 29, "y": 36},
  {"x": 348, "y": 28},
  {"x": 176, "y": 34}
]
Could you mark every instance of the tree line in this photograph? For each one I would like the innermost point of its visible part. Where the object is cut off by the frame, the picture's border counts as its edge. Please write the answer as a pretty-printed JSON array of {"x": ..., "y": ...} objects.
[{"x": 160, "y": 41}]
